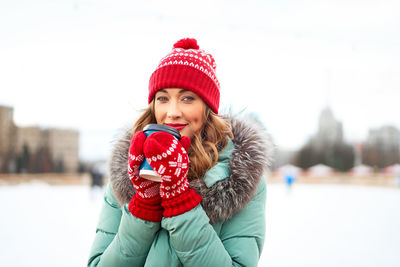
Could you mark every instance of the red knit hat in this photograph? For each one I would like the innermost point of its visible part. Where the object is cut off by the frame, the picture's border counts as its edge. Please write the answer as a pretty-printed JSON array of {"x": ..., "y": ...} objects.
[{"x": 190, "y": 68}]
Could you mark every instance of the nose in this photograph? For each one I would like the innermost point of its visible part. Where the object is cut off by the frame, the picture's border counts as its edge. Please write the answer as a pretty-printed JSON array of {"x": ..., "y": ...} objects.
[{"x": 174, "y": 111}]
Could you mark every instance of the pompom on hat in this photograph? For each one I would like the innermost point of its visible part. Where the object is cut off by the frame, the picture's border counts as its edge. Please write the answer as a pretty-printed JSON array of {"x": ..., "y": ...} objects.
[{"x": 187, "y": 67}]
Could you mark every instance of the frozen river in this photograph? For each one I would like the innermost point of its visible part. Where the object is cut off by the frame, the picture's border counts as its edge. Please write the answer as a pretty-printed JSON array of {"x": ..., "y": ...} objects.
[{"x": 309, "y": 225}]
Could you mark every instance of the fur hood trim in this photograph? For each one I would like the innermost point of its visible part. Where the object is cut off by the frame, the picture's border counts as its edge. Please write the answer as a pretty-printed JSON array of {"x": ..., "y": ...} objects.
[{"x": 250, "y": 158}]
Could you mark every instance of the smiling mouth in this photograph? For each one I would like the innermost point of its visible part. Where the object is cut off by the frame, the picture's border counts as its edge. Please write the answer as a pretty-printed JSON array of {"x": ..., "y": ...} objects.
[{"x": 177, "y": 126}]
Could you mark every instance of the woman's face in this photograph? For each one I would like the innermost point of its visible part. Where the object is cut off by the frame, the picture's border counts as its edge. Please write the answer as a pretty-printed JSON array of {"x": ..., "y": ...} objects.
[{"x": 180, "y": 109}]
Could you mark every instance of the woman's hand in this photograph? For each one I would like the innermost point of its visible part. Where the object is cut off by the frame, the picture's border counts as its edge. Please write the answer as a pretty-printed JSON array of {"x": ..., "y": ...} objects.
[
  {"x": 146, "y": 203},
  {"x": 169, "y": 158}
]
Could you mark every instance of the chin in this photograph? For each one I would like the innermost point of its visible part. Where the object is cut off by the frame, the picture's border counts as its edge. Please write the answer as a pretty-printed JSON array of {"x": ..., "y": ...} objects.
[{"x": 185, "y": 133}]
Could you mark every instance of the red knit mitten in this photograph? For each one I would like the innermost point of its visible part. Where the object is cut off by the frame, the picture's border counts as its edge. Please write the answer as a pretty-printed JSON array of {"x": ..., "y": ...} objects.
[
  {"x": 146, "y": 203},
  {"x": 168, "y": 157}
]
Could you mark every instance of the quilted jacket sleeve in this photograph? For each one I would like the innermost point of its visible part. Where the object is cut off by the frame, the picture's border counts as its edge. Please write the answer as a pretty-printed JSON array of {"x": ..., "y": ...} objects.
[
  {"x": 121, "y": 238},
  {"x": 240, "y": 241}
]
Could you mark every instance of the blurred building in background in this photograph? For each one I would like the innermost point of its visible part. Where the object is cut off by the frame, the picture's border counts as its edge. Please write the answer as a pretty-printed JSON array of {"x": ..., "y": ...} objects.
[
  {"x": 32, "y": 149},
  {"x": 382, "y": 147},
  {"x": 327, "y": 146},
  {"x": 330, "y": 131},
  {"x": 8, "y": 134}
]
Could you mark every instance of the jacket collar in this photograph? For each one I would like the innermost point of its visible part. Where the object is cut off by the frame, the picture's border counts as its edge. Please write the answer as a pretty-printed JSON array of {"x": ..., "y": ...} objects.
[
  {"x": 221, "y": 170},
  {"x": 228, "y": 186}
]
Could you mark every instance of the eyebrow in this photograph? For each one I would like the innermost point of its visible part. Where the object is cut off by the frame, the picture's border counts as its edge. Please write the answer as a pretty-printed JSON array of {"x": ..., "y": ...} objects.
[{"x": 181, "y": 91}]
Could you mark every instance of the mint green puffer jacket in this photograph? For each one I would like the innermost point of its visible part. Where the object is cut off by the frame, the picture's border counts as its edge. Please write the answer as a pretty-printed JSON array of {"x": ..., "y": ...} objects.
[{"x": 226, "y": 229}]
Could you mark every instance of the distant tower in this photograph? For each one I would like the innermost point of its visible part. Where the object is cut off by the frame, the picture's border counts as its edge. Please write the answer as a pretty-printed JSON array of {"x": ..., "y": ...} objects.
[{"x": 330, "y": 131}]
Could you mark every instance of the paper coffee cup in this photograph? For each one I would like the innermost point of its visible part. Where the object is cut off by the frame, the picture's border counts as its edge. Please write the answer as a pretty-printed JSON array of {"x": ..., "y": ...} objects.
[{"x": 145, "y": 169}]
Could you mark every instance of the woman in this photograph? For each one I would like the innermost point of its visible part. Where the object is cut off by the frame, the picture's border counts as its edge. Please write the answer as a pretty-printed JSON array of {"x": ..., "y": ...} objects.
[{"x": 209, "y": 208}]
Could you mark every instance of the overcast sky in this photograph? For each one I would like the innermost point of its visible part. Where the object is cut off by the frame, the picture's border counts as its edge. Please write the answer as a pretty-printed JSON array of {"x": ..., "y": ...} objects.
[{"x": 86, "y": 64}]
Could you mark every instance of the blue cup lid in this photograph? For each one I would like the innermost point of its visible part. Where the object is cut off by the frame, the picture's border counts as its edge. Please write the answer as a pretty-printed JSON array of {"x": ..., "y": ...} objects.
[{"x": 162, "y": 128}]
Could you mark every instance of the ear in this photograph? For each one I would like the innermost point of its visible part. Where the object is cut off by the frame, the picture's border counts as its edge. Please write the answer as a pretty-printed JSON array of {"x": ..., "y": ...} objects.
[{"x": 185, "y": 142}]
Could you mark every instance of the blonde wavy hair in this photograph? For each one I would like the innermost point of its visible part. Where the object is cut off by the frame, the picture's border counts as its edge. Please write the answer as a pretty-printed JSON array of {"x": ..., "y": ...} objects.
[{"x": 206, "y": 144}]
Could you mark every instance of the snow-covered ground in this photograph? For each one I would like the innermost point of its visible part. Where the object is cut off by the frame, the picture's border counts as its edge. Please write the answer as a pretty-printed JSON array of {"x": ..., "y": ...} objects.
[
  {"x": 309, "y": 225},
  {"x": 332, "y": 225}
]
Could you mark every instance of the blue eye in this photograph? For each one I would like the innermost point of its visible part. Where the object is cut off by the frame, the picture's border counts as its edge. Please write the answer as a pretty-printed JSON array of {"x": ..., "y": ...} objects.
[
  {"x": 162, "y": 98},
  {"x": 188, "y": 98}
]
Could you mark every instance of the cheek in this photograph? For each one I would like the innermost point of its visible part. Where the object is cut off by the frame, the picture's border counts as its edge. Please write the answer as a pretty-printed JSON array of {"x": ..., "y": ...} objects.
[
  {"x": 159, "y": 114},
  {"x": 201, "y": 122},
  {"x": 198, "y": 118}
]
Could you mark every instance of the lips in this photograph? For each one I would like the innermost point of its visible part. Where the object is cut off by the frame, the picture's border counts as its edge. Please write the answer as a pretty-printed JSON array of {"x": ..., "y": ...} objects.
[{"x": 177, "y": 126}]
